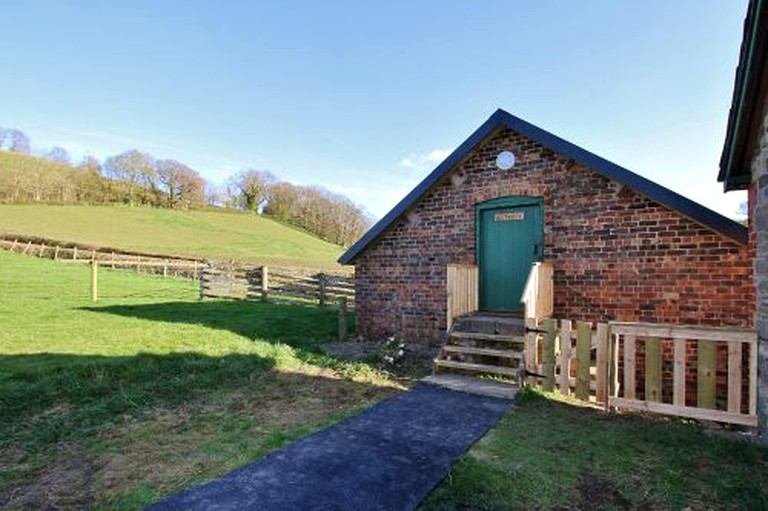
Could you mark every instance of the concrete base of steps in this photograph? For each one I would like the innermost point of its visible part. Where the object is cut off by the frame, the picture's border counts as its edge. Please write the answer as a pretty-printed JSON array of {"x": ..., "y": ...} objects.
[{"x": 473, "y": 385}]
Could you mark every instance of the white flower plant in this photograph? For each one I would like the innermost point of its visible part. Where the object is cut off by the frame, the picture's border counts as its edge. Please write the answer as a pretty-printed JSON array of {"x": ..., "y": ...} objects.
[{"x": 392, "y": 351}]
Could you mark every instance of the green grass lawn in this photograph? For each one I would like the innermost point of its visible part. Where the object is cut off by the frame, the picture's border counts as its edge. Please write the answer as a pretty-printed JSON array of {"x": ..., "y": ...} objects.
[
  {"x": 550, "y": 454},
  {"x": 112, "y": 405},
  {"x": 205, "y": 234},
  {"x": 117, "y": 403}
]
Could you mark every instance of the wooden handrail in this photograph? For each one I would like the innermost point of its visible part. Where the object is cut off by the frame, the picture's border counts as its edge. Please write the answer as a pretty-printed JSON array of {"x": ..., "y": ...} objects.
[
  {"x": 463, "y": 291},
  {"x": 538, "y": 294}
]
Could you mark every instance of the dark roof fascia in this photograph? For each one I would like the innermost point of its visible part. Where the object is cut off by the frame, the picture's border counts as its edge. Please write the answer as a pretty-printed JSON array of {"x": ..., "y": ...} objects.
[
  {"x": 745, "y": 104},
  {"x": 500, "y": 118}
]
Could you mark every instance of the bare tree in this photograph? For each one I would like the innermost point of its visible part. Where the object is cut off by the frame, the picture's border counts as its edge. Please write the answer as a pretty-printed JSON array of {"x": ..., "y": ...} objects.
[
  {"x": 60, "y": 155},
  {"x": 329, "y": 216},
  {"x": 15, "y": 140},
  {"x": 135, "y": 169},
  {"x": 252, "y": 186},
  {"x": 92, "y": 187}
]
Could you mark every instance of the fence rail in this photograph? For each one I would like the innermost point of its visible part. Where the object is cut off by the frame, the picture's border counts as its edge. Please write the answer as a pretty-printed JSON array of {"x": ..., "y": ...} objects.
[
  {"x": 74, "y": 253},
  {"x": 276, "y": 284},
  {"x": 696, "y": 372}
]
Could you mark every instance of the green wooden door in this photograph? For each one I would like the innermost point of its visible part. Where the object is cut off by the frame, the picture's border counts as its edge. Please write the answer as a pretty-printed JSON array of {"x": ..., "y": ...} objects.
[{"x": 510, "y": 232}]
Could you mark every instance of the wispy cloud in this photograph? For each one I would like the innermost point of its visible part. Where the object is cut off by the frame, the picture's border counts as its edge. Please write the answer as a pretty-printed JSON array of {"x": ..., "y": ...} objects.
[
  {"x": 424, "y": 161},
  {"x": 110, "y": 138}
]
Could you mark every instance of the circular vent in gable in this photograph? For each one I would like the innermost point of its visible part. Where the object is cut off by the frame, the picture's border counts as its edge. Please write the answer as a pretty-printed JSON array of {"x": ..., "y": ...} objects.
[{"x": 505, "y": 160}]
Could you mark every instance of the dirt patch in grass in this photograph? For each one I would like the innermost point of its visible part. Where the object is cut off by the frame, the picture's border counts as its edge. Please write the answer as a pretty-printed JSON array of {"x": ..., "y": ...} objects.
[
  {"x": 415, "y": 361},
  {"x": 173, "y": 448},
  {"x": 67, "y": 483},
  {"x": 596, "y": 492},
  {"x": 548, "y": 454}
]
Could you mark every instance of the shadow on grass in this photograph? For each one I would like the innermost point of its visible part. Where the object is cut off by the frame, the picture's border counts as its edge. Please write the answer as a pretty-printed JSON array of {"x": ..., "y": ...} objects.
[
  {"x": 61, "y": 414},
  {"x": 302, "y": 327},
  {"x": 47, "y": 398}
]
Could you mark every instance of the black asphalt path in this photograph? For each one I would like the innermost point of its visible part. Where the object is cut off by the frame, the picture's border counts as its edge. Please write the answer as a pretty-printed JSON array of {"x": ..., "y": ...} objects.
[{"x": 386, "y": 458}]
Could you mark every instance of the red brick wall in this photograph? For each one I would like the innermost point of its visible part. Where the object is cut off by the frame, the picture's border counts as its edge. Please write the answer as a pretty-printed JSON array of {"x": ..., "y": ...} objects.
[{"x": 617, "y": 255}]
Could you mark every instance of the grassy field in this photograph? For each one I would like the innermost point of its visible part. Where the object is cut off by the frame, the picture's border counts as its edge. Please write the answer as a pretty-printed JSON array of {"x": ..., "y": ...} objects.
[
  {"x": 117, "y": 403},
  {"x": 206, "y": 234},
  {"x": 549, "y": 454}
]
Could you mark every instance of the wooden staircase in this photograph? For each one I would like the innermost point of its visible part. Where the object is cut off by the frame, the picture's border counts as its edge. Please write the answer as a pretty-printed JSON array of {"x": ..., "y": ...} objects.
[{"x": 484, "y": 345}]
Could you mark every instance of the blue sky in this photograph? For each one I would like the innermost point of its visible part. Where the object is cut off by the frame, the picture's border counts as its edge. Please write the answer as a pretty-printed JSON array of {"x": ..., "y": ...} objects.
[{"x": 365, "y": 97}]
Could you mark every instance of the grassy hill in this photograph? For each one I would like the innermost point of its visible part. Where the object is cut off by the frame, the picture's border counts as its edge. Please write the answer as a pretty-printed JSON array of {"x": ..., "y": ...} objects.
[{"x": 207, "y": 234}]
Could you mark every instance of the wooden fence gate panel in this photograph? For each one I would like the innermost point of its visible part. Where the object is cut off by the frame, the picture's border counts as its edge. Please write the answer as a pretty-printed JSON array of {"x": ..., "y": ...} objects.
[{"x": 604, "y": 367}]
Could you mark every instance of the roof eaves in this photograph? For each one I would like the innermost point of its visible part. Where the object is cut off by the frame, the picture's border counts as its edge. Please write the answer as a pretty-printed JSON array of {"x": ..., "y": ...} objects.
[{"x": 732, "y": 168}]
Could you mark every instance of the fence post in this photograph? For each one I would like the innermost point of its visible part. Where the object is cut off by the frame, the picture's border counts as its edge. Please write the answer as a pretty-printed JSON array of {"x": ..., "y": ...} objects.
[
  {"x": 194, "y": 271},
  {"x": 165, "y": 268},
  {"x": 29, "y": 244},
  {"x": 42, "y": 251},
  {"x": 74, "y": 253},
  {"x": 13, "y": 247},
  {"x": 653, "y": 369},
  {"x": 342, "y": 318},
  {"x": 56, "y": 253},
  {"x": 565, "y": 357},
  {"x": 706, "y": 374},
  {"x": 264, "y": 283},
  {"x": 613, "y": 390},
  {"x": 321, "y": 291},
  {"x": 602, "y": 362},
  {"x": 530, "y": 354},
  {"x": 94, "y": 280},
  {"x": 548, "y": 354},
  {"x": 583, "y": 341}
]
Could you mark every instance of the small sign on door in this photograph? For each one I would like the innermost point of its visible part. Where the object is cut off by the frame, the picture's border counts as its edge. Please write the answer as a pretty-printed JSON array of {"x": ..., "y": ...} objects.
[{"x": 507, "y": 217}]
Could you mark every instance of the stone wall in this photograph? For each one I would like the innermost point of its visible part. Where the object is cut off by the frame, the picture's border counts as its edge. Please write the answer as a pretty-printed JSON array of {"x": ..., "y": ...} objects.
[
  {"x": 759, "y": 231},
  {"x": 617, "y": 254}
]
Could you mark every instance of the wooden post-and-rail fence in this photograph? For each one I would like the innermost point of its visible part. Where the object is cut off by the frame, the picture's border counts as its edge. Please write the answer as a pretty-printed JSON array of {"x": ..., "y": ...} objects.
[
  {"x": 702, "y": 373},
  {"x": 71, "y": 253},
  {"x": 276, "y": 284},
  {"x": 281, "y": 285}
]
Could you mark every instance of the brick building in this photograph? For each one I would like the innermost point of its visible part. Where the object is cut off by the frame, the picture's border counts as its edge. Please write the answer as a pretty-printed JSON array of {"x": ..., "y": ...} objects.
[
  {"x": 622, "y": 247},
  {"x": 744, "y": 165}
]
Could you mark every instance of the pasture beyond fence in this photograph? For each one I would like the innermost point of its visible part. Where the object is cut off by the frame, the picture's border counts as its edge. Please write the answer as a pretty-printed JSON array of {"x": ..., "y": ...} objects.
[
  {"x": 703, "y": 373},
  {"x": 167, "y": 266}
]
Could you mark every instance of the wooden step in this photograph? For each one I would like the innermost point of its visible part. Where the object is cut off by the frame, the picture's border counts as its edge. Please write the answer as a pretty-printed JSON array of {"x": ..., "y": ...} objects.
[
  {"x": 454, "y": 348},
  {"x": 487, "y": 337},
  {"x": 473, "y": 385},
  {"x": 478, "y": 368}
]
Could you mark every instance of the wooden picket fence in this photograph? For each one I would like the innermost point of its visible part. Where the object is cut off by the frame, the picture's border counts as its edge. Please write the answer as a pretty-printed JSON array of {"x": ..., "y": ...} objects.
[
  {"x": 276, "y": 284},
  {"x": 703, "y": 373}
]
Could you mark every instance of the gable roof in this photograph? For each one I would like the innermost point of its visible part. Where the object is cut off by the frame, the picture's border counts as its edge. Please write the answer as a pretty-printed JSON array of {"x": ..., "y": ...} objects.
[
  {"x": 750, "y": 95},
  {"x": 501, "y": 119}
]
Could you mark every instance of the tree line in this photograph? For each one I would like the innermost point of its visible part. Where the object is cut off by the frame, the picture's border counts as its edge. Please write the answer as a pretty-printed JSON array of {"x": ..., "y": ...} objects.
[{"x": 136, "y": 178}]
